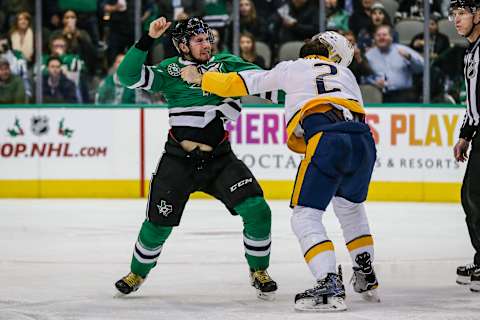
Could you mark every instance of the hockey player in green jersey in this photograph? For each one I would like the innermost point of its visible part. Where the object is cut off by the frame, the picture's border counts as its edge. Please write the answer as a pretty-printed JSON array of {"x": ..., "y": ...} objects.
[{"x": 197, "y": 156}]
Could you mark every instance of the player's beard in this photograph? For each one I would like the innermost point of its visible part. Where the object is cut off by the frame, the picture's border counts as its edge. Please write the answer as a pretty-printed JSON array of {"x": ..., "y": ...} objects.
[{"x": 204, "y": 57}]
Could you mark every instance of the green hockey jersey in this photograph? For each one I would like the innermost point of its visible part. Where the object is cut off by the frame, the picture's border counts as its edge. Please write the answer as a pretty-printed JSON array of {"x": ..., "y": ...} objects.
[{"x": 188, "y": 104}]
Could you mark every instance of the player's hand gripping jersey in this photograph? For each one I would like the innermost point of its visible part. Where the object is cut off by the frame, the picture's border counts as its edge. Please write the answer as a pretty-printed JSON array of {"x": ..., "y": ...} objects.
[{"x": 314, "y": 84}]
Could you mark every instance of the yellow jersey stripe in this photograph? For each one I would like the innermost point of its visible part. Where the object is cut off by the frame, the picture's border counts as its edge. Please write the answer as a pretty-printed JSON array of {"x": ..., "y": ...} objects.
[
  {"x": 224, "y": 84},
  {"x": 359, "y": 242},
  {"x": 317, "y": 249},
  {"x": 316, "y": 105},
  {"x": 312, "y": 146}
]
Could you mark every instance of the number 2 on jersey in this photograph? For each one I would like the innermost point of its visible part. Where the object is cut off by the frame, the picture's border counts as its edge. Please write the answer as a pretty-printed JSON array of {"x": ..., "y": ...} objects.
[{"x": 327, "y": 70}]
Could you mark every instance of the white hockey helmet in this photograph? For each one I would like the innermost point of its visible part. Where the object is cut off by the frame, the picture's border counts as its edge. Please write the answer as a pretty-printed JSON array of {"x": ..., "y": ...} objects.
[{"x": 340, "y": 50}]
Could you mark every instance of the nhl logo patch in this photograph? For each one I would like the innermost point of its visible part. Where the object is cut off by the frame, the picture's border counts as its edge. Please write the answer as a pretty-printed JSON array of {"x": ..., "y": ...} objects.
[
  {"x": 472, "y": 69},
  {"x": 173, "y": 69}
]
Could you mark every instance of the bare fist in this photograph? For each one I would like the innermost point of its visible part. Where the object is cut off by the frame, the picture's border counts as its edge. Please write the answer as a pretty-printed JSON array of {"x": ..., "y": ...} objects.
[
  {"x": 158, "y": 27},
  {"x": 190, "y": 74}
]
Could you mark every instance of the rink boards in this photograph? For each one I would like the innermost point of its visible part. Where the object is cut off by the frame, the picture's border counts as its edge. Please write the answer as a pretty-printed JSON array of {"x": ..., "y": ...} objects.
[{"x": 111, "y": 151}]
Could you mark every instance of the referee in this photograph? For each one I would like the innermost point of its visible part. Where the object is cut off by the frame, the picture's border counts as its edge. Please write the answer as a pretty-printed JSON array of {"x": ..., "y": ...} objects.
[{"x": 466, "y": 16}]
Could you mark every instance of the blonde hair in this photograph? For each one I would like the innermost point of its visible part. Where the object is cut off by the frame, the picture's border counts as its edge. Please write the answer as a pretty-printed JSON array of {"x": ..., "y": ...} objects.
[{"x": 27, "y": 16}]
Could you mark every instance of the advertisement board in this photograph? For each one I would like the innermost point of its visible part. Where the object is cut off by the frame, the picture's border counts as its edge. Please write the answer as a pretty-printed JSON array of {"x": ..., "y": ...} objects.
[{"x": 113, "y": 151}]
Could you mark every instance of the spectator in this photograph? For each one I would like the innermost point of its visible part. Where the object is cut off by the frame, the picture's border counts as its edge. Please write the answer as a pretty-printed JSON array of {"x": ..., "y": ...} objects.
[
  {"x": 394, "y": 66},
  {"x": 414, "y": 8},
  {"x": 79, "y": 42},
  {"x": 21, "y": 35},
  {"x": 378, "y": 17},
  {"x": 439, "y": 49},
  {"x": 248, "y": 51},
  {"x": 9, "y": 9},
  {"x": 216, "y": 14},
  {"x": 110, "y": 91},
  {"x": 11, "y": 86},
  {"x": 266, "y": 8},
  {"x": 120, "y": 34},
  {"x": 360, "y": 19},
  {"x": 218, "y": 45},
  {"x": 56, "y": 87},
  {"x": 72, "y": 66},
  {"x": 359, "y": 66},
  {"x": 174, "y": 11},
  {"x": 250, "y": 21},
  {"x": 17, "y": 63},
  {"x": 439, "y": 42},
  {"x": 87, "y": 15},
  {"x": 179, "y": 9},
  {"x": 296, "y": 20},
  {"x": 337, "y": 18}
]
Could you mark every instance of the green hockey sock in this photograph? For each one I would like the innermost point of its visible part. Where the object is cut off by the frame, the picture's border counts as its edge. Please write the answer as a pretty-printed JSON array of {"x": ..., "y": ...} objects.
[
  {"x": 148, "y": 247},
  {"x": 257, "y": 222}
]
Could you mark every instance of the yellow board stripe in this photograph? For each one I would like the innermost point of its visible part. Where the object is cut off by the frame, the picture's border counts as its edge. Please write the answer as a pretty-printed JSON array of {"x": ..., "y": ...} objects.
[
  {"x": 273, "y": 189},
  {"x": 360, "y": 242},
  {"x": 317, "y": 249},
  {"x": 311, "y": 147}
]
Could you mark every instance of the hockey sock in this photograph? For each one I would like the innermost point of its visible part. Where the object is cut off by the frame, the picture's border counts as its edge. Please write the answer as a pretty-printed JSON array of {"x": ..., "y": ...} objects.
[
  {"x": 148, "y": 247},
  {"x": 257, "y": 222},
  {"x": 354, "y": 222},
  {"x": 317, "y": 249}
]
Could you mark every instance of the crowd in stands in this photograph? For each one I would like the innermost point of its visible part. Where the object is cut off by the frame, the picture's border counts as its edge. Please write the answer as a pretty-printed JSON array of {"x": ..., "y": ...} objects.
[{"x": 85, "y": 40}]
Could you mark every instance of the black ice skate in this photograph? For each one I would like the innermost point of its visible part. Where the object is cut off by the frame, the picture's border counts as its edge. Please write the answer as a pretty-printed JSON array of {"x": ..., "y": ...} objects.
[
  {"x": 475, "y": 281},
  {"x": 364, "y": 279},
  {"x": 464, "y": 273},
  {"x": 130, "y": 283},
  {"x": 265, "y": 285},
  {"x": 327, "y": 296}
]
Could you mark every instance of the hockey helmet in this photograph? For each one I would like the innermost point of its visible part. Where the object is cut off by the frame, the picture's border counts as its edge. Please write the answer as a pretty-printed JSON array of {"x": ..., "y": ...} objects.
[
  {"x": 340, "y": 50},
  {"x": 188, "y": 28},
  {"x": 471, "y": 5}
]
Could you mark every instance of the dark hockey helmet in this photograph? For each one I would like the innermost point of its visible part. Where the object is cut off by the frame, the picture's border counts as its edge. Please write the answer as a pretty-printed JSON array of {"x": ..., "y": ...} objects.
[
  {"x": 188, "y": 28},
  {"x": 471, "y": 5}
]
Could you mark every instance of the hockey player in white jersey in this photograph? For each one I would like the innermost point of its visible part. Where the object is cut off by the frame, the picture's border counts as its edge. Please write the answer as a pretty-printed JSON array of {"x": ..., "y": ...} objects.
[{"x": 325, "y": 122}]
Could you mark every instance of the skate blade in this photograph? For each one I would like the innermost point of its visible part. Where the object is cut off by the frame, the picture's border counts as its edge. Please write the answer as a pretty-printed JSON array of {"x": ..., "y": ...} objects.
[
  {"x": 267, "y": 296},
  {"x": 370, "y": 296},
  {"x": 119, "y": 295},
  {"x": 462, "y": 280},
  {"x": 475, "y": 287},
  {"x": 335, "y": 304}
]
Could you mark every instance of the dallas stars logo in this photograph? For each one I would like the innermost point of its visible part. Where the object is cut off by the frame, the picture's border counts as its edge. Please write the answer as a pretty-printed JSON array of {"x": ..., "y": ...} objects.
[
  {"x": 215, "y": 67},
  {"x": 164, "y": 208},
  {"x": 63, "y": 131},
  {"x": 17, "y": 130},
  {"x": 173, "y": 69}
]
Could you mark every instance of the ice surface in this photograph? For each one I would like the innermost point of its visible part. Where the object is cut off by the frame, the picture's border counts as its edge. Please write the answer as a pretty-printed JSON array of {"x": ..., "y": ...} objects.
[{"x": 60, "y": 258}]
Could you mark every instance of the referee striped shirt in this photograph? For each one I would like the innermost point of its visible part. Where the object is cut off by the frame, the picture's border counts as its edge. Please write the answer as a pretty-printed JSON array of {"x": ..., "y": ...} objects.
[{"x": 471, "y": 120}]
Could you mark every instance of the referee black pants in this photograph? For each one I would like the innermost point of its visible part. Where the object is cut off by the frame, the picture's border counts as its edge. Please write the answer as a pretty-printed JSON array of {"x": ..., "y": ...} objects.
[{"x": 471, "y": 196}]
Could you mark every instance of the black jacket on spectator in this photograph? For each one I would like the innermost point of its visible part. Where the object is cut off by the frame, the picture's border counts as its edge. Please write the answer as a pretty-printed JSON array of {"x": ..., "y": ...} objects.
[
  {"x": 359, "y": 20},
  {"x": 440, "y": 43},
  {"x": 190, "y": 7},
  {"x": 405, "y": 6},
  {"x": 121, "y": 29},
  {"x": 258, "y": 28},
  {"x": 63, "y": 93},
  {"x": 306, "y": 26}
]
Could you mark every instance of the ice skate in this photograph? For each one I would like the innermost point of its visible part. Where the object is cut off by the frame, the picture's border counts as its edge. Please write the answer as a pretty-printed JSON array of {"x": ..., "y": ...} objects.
[
  {"x": 327, "y": 296},
  {"x": 364, "y": 279},
  {"x": 475, "y": 281},
  {"x": 128, "y": 284},
  {"x": 265, "y": 285},
  {"x": 464, "y": 273}
]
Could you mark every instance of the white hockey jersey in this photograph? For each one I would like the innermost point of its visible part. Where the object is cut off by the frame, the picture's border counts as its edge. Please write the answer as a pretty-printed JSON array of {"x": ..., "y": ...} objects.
[{"x": 313, "y": 84}]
